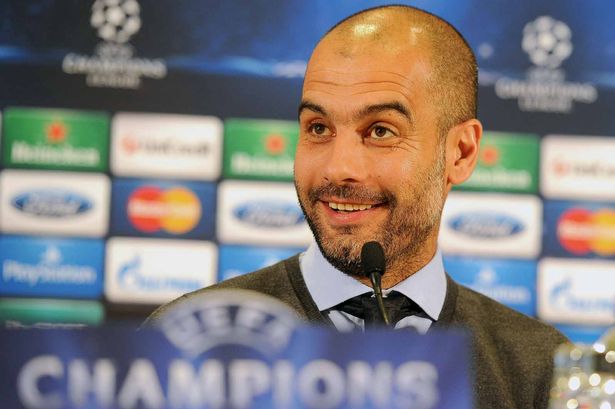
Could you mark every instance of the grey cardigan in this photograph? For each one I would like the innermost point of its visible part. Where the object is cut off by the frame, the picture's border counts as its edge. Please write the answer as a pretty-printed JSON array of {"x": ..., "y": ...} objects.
[{"x": 512, "y": 355}]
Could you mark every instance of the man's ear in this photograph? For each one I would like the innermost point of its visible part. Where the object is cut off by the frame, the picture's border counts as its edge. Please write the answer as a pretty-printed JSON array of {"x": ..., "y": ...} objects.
[{"x": 462, "y": 144}]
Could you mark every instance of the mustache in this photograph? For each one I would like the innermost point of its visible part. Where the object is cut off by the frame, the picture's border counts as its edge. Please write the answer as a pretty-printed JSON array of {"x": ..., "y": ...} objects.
[{"x": 350, "y": 192}]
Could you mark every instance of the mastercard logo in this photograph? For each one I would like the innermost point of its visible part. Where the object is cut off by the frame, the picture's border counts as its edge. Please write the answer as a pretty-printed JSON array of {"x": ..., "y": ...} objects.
[
  {"x": 176, "y": 210},
  {"x": 581, "y": 231}
]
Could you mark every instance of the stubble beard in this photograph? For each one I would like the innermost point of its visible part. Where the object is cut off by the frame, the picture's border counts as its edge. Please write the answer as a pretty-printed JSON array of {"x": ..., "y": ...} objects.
[{"x": 403, "y": 235}]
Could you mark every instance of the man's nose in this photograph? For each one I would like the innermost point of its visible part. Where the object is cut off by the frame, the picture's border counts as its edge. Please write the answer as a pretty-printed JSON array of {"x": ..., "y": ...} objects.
[{"x": 346, "y": 162}]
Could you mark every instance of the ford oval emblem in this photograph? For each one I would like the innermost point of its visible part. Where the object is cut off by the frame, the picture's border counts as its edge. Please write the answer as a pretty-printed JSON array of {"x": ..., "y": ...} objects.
[
  {"x": 52, "y": 203},
  {"x": 269, "y": 214},
  {"x": 486, "y": 225}
]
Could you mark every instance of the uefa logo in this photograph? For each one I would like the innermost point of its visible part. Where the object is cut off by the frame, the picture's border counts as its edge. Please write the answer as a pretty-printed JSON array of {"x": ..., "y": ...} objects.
[
  {"x": 116, "y": 20},
  {"x": 230, "y": 318},
  {"x": 547, "y": 41}
]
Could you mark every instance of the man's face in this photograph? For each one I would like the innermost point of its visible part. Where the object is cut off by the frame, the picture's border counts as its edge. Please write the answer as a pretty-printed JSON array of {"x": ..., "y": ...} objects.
[{"x": 370, "y": 162}]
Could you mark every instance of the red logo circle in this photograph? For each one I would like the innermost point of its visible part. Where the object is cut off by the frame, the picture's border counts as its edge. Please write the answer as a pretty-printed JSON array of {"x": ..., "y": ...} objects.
[
  {"x": 575, "y": 231},
  {"x": 145, "y": 209}
]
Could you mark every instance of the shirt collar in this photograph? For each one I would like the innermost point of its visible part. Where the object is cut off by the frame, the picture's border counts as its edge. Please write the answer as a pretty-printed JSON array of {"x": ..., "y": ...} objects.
[{"x": 329, "y": 286}]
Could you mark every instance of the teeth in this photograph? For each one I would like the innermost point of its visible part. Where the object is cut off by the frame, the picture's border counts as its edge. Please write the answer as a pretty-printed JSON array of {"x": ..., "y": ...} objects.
[{"x": 348, "y": 207}]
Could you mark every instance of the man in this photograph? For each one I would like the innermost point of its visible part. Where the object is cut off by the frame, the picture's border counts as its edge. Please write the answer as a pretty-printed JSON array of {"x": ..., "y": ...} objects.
[{"x": 387, "y": 127}]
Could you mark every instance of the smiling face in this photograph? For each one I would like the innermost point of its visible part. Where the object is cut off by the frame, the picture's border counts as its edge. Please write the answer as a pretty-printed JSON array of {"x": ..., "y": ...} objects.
[{"x": 370, "y": 163}]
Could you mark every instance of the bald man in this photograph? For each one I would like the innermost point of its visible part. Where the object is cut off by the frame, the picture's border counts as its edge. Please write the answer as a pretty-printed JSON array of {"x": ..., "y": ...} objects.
[{"x": 387, "y": 127}]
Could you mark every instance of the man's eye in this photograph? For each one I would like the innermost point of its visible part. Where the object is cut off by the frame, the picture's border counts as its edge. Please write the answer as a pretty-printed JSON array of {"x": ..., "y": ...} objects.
[
  {"x": 319, "y": 129},
  {"x": 380, "y": 132}
]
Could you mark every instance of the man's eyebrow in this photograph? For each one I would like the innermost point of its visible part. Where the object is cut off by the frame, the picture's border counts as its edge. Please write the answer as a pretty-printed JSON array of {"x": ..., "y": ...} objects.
[
  {"x": 370, "y": 109},
  {"x": 312, "y": 107},
  {"x": 386, "y": 106}
]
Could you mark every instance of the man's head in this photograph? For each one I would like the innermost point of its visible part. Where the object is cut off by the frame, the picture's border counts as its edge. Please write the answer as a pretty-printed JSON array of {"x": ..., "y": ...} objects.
[
  {"x": 454, "y": 73},
  {"x": 386, "y": 128}
]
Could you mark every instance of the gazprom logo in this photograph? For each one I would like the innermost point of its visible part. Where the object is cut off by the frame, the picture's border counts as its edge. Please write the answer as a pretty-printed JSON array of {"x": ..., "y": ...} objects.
[
  {"x": 52, "y": 203},
  {"x": 132, "y": 276},
  {"x": 269, "y": 213},
  {"x": 486, "y": 225},
  {"x": 564, "y": 295}
]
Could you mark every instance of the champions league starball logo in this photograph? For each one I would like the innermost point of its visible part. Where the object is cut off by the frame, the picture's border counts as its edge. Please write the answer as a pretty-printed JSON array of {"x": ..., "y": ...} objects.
[
  {"x": 116, "y": 20},
  {"x": 113, "y": 65},
  {"x": 547, "y": 41}
]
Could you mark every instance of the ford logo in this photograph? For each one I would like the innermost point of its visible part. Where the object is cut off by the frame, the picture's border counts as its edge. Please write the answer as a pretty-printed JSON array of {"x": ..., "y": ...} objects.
[
  {"x": 486, "y": 225},
  {"x": 269, "y": 214},
  {"x": 51, "y": 203}
]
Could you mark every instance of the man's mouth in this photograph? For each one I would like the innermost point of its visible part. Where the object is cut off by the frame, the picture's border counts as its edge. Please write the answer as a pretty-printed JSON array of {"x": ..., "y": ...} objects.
[{"x": 349, "y": 207}]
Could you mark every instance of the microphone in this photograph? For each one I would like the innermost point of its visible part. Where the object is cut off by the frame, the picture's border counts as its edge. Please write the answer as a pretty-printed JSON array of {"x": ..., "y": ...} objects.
[{"x": 373, "y": 263}]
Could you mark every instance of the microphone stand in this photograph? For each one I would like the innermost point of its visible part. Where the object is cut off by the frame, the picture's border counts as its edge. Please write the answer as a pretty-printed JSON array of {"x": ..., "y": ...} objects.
[
  {"x": 375, "y": 277},
  {"x": 373, "y": 263}
]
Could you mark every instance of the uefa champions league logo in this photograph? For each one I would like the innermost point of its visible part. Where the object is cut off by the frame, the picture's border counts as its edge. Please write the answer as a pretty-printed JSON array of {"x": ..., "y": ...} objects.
[
  {"x": 547, "y": 42},
  {"x": 116, "y": 20},
  {"x": 113, "y": 64}
]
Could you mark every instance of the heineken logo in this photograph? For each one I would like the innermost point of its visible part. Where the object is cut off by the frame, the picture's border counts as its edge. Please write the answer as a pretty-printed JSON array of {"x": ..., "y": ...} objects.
[
  {"x": 54, "y": 138},
  {"x": 259, "y": 148},
  {"x": 489, "y": 156},
  {"x": 506, "y": 162},
  {"x": 23, "y": 152},
  {"x": 513, "y": 179},
  {"x": 275, "y": 144},
  {"x": 56, "y": 132},
  {"x": 245, "y": 164}
]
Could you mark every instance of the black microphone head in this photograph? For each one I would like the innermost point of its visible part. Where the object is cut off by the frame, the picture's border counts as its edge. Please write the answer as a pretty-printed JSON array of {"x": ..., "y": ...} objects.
[{"x": 372, "y": 258}]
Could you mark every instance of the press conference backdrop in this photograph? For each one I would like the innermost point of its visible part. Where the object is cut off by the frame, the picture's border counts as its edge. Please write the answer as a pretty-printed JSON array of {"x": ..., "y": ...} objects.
[{"x": 147, "y": 151}]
